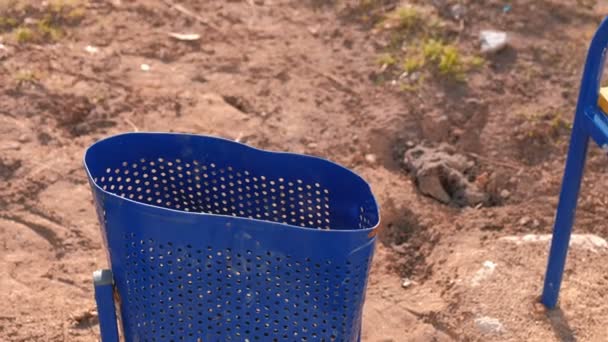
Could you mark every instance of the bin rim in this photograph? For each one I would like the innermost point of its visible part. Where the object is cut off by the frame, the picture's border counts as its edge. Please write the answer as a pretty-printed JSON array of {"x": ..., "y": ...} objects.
[{"x": 371, "y": 230}]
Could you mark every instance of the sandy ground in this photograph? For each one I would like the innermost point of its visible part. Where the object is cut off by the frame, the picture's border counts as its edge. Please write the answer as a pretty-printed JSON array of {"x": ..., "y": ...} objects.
[{"x": 303, "y": 76}]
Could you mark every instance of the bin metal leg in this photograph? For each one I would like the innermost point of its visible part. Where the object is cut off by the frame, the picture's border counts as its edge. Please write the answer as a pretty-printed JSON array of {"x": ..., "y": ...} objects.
[
  {"x": 564, "y": 219},
  {"x": 104, "y": 296}
]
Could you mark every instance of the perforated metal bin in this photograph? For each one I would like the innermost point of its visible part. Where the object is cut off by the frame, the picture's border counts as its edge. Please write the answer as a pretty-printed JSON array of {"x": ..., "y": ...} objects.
[{"x": 212, "y": 240}]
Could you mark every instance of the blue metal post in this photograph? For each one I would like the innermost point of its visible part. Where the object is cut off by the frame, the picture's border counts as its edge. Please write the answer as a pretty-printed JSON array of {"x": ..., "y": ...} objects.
[
  {"x": 565, "y": 214},
  {"x": 575, "y": 163},
  {"x": 104, "y": 296}
]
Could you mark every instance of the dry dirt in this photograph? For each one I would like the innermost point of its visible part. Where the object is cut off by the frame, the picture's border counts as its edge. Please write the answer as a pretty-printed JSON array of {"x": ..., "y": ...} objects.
[{"x": 302, "y": 76}]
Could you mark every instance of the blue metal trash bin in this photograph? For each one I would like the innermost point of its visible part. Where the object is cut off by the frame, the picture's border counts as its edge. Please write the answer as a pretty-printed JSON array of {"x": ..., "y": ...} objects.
[{"x": 213, "y": 240}]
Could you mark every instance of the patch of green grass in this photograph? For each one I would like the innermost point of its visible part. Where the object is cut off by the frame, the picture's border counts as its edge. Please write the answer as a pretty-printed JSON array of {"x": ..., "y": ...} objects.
[
  {"x": 8, "y": 23},
  {"x": 477, "y": 62},
  {"x": 545, "y": 125},
  {"x": 410, "y": 20},
  {"x": 386, "y": 59},
  {"x": 450, "y": 62},
  {"x": 445, "y": 57},
  {"x": 408, "y": 88},
  {"x": 49, "y": 20},
  {"x": 67, "y": 11},
  {"x": 432, "y": 49},
  {"x": 407, "y": 18},
  {"x": 411, "y": 64},
  {"x": 48, "y": 31},
  {"x": 24, "y": 35},
  {"x": 418, "y": 38}
]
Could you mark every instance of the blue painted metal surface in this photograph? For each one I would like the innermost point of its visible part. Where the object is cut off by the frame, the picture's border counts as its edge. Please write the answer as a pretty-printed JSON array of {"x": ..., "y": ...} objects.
[
  {"x": 106, "y": 311},
  {"x": 589, "y": 122},
  {"x": 213, "y": 240}
]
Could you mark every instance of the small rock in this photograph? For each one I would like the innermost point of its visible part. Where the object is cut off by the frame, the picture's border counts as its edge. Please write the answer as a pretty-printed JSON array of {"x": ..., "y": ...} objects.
[
  {"x": 430, "y": 184},
  {"x": 91, "y": 49},
  {"x": 524, "y": 221},
  {"x": 402, "y": 248},
  {"x": 505, "y": 194},
  {"x": 85, "y": 319},
  {"x": 535, "y": 223},
  {"x": 493, "y": 41},
  {"x": 489, "y": 325},
  {"x": 458, "y": 11},
  {"x": 406, "y": 283},
  {"x": 23, "y": 138},
  {"x": 314, "y": 30},
  {"x": 371, "y": 158},
  {"x": 145, "y": 67}
]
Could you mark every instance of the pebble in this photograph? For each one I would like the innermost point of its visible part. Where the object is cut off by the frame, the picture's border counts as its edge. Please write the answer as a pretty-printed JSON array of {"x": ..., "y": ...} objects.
[
  {"x": 458, "y": 11},
  {"x": 314, "y": 30},
  {"x": 492, "y": 41},
  {"x": 505, "y": 194},
  {"x": 145, "y": 67},
  {"x": 371, "y": 158},
  {"x": 91, "y": 49},
  {"x": 524, "y": 221},
  {"x": 23, "y": 138},
  {"x": 406, "y": 283}
]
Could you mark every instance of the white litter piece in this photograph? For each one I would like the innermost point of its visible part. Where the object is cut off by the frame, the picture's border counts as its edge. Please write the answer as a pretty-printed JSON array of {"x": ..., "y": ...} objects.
[
  {"x": 185, "y": 36},
  {"x": 407, "y": 282},
  {"x": 145, "y": 67},
  {"x": 483, "y": 273},
  {"x": 588, "y": 242},
  {"x": 91, "y": 49},
  {"x": 493, "y": 41}
]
